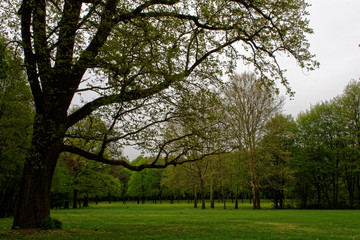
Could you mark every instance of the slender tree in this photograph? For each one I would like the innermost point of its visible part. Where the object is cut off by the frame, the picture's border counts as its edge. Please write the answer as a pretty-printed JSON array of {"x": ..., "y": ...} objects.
[{"x": 250, "y": 106}]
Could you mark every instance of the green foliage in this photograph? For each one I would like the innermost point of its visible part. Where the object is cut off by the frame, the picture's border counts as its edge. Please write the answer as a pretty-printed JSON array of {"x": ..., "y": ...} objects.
[
  {"x": 89, "y": 177},
  {"x": 61, "y": 179},
  {"x": 185, "y": 178},
  {"x": 146, "y": 183},
  {"x": 328, "y": 150},
  {"x": 275, "y": 156},
  {"x": 3, "y": 61},
  {"x": 50, "y": 223},
  {"x": 15, "y": 123}
]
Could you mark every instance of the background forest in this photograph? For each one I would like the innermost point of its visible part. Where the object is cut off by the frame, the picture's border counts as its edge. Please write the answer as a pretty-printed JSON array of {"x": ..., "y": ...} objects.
[{"x": 311, "y": 161}]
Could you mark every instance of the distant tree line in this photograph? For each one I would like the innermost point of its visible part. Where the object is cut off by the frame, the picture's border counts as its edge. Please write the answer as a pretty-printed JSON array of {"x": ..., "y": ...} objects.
[
  {"x": 312, "y": 161},
  {"x": 308, "y": 162}
]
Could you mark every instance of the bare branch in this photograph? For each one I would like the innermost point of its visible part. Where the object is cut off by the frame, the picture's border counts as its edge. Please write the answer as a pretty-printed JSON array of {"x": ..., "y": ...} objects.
[
  {"x": 187, "y": 17},
  {"x": 30, "y": 60},
  {"x": 139, "y": 9}
]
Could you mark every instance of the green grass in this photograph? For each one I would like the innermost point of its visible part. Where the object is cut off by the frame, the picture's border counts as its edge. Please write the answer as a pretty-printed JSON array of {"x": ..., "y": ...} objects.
[{"x": 181, "y": 221}]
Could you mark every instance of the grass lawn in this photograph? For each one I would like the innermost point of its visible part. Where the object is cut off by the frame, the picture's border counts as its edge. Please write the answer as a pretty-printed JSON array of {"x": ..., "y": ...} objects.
[{"x": 181, "y": 221}]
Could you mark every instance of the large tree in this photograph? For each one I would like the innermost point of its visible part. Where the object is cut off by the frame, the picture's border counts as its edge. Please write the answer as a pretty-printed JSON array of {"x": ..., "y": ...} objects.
[{"x": 135, "y": 57}]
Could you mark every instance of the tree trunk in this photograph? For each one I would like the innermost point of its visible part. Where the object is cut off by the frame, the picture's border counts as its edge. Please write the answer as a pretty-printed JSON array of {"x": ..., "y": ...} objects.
[
  {"x": 195, "y": 198},
  {"x": 237, "y": 198},
  {"x": 281, "y": 200},
  {"x": 75, "y": 198},
  {"x": 212, "y": 204},
  {"x": 276, "y": 198},
  {"x": 33, "y": 203},
  {"x": 202, "y": 193},
  {"x": 86, "y": 201},
  {"x": 254, "y": 182},
  {"x": 223, "y": 195},
  {"x": 257, "y": 197}
]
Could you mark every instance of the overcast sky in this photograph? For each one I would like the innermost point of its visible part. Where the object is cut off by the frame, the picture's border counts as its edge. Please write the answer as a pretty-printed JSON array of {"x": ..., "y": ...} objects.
[{"x": 335, "y": 42}]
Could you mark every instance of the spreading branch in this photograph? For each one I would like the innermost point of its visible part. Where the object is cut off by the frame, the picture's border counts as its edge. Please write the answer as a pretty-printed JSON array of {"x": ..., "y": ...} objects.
[{"x": 126, "y": 164}]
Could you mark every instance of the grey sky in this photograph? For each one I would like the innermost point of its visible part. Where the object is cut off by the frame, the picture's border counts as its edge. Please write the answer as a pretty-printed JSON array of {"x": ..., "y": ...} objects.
[{"x": 336, "y": 45}]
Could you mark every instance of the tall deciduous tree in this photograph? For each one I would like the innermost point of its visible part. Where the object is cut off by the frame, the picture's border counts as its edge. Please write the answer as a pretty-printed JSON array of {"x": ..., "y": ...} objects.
[
  {"x": 140, "y": 55},
  {"x": 350, "y": 121},
  {"x": 250, "y": 106},
  {"x": 275, "y": 155}
]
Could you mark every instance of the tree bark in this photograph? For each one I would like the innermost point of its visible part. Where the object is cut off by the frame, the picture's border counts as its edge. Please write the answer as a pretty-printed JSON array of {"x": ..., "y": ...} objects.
[
  {"x": 212, "y": 204},
  {"x": 202, "y": 193},
  {"x": 86, "y": 201},
  {"x": 75, "y": 198},
  {"x": 257, "y": 196},
  {"x": 223, "y": 195},
  {"x": 254, "y": 182},
  {"x": 281, "y": 200},
  {"x": 33, "y": 203},
  {"x": 237, "y": 198},
  {"x": 195, "y": 198}
]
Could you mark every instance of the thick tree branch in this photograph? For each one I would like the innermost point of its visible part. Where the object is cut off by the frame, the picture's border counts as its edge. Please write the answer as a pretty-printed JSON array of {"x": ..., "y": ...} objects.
[
  {"x": 119, "y": 98},
  {"x": 126, "y": 164},
  {"x": 187, "y": 17},
  {"x": 30, "y": 60},
  {"x": 68, "y": 27},
  {"x": 139, "y": 9},
  {"x": 40, "y": 43},
  {"x": 106, "y": 25}
]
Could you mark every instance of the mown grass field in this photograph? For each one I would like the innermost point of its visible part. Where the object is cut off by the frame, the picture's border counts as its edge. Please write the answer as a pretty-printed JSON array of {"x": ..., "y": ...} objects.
[{"x": 182, "y": 221}]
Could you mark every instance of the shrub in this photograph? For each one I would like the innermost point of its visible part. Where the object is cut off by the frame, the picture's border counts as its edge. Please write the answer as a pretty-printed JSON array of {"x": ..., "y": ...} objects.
[{"x": 50, "y": 223}]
